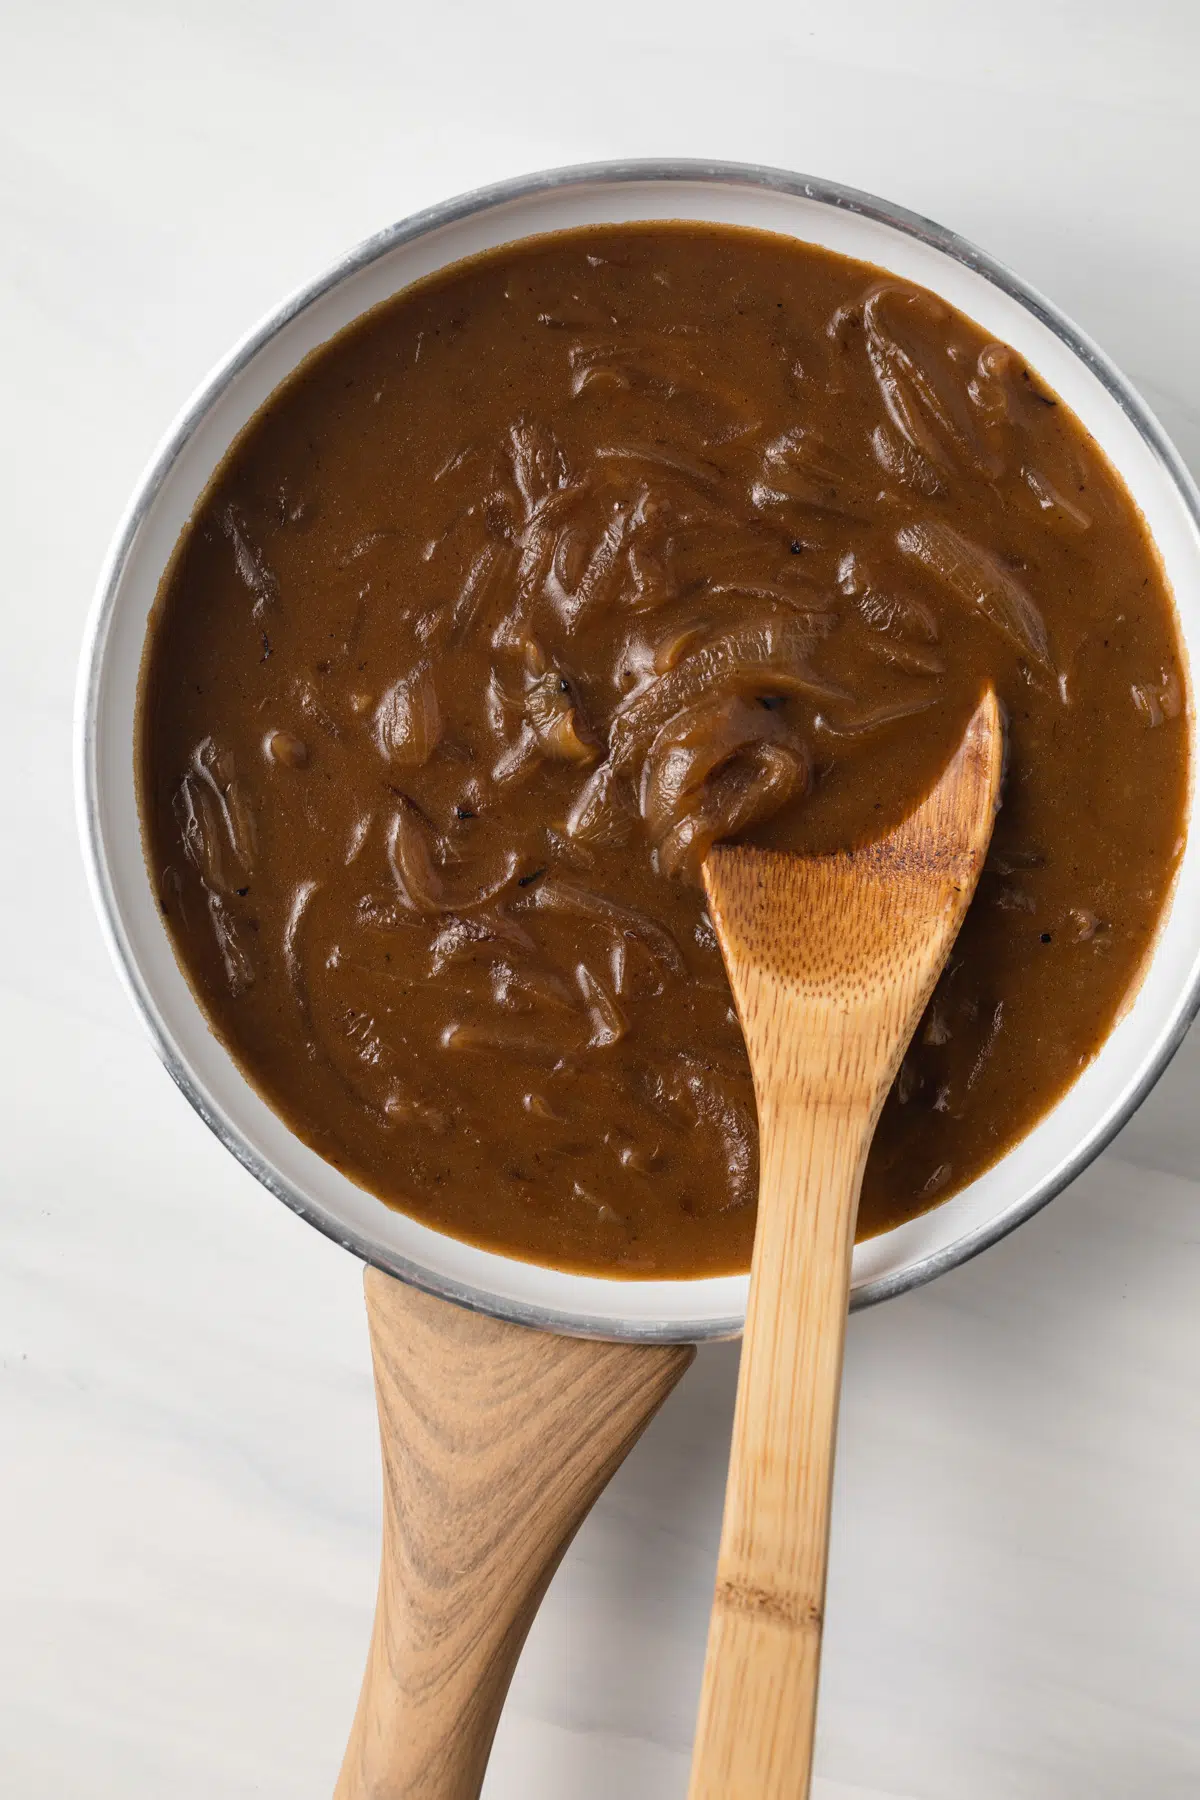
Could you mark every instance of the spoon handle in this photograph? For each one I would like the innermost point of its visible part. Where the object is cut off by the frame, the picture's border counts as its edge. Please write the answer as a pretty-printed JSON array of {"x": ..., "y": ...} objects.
[
  {"x": 496, "y": 1442},
  {"x": 758, "y": 1704}
]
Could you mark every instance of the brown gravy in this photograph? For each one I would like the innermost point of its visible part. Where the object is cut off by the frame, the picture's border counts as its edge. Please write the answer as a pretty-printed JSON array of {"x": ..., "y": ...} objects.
[{"x": 548, "y": 573}]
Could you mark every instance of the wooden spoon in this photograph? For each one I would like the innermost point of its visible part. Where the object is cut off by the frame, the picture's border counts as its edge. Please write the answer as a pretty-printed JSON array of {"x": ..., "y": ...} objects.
[
  {"x": 496, "y": 1442},
  {"x": 831, "y": 960}
]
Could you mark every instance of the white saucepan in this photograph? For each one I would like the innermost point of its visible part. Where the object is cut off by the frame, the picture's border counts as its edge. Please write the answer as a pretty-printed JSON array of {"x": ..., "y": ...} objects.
[{"x": 1106, "y": 1092}]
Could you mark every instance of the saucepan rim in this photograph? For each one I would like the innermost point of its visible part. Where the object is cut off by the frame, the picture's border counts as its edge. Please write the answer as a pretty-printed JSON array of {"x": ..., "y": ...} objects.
[{"x": 89, "y": 697}]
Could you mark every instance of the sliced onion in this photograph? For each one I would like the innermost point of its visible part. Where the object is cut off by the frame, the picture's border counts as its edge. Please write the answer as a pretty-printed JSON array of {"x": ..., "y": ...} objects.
[
  {"x": 216, "y": 821},
  {"x": 198, "y": 821},
  {"x": 216, "y": 769},
  {"x": 576, "y": 902},
  {"x": 710, "y": 1099},
  {"x": 420, "y": 883},
  {"x": 875, "y": 717},
  {"x": 489, "y": 575},
  {"x": 702, "y": 474},
  {"x": 679, "y": 644},
  {"x": 531, "y": 1046},
  {"x": 411, "y": 860},
  {"x": 602, "y": 813},
  {"x": 751, "y": 787},
  {"x": 994, "y": 388},
  {"x": 889, "y": 611},
  {"x": 772, "y": 653},
  {"x": 403, "y": 1107},
  {"x": 1051, "y": 501},
  {"x": 609, "y": 1024},
  {"x": 457, "y": 937},
  {"x": 291, "y": 953},
  {"x": 408, "y": 725},
  {"x": 1160, "y": 700},
  {"x": 691, "y": 746},
  {"x": 537, "y": 464},
  {"x": 517, "y": 757},
  {"x": 567, "y": 739},
  {"x": 556, "y": 720},
  {"x": 525, "y": 989},
  {"x": 918, "y": 386},
  {"x": 251, "y": 566},
  {"x": 235, "y": 958},
  {"x": 905, "y": 464},
  {"x": 973, "y": 574},
  {"x": 797, "y": 594},
  {"x": 800, "y": 470},
  {"x": 917, "y": 659},
  {"x": 600, "y": 573}
]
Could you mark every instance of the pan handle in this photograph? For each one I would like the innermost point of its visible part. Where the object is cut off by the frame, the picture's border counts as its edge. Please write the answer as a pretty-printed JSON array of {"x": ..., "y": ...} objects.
[{"x": 496, "y": 1441}]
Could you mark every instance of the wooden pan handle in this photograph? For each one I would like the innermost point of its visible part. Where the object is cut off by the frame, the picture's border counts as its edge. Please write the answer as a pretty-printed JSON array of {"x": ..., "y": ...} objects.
[{"x": 496, "y": 1440}]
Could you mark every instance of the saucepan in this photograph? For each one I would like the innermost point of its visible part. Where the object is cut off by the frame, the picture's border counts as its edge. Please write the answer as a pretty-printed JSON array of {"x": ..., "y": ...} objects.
[{"x": 1105, "y": 1093}]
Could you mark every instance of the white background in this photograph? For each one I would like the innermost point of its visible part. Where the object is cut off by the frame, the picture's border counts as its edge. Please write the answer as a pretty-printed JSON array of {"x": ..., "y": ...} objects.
[{"x": 188, "y": 1477}]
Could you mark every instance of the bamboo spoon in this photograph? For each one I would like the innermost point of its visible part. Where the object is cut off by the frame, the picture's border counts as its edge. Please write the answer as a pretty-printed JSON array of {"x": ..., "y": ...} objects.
[
  {"x": 496, "y": 1442},
  {"x": 831, "y": 960}
]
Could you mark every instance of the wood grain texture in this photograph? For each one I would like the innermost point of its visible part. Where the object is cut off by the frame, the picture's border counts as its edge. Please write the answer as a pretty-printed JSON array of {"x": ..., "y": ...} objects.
[
  {"x": 496, "y": 1442},
  {"x": 832, "y": 961}
]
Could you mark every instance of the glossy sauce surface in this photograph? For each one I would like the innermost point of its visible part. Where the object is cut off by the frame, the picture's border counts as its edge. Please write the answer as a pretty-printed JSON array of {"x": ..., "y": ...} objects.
[{"x": 545, "y": 576}]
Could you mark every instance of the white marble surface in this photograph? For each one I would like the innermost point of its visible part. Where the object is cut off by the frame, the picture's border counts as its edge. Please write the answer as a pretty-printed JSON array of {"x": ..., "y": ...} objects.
[{"x": 188, "y": 1484}]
